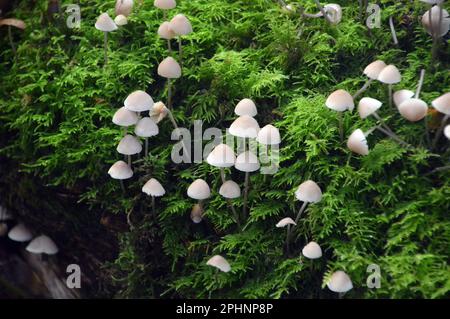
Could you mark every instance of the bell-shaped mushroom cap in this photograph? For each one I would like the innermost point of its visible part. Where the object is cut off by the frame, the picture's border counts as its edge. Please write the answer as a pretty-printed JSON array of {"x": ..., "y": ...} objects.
[
  {"x": 20, "y": 233},
  {"x": 284, "y": 222},
  {"x": 247, "y": 162},
  {"x": 129, "y": 145},
  {"x": 4, "y": 214},
  {"x": 124, "y": 7},
  {"x": 246, "y": 107},
  {"x": 153, "y": 188},
  {"x": 42, "y": 245},
  {"x": 124, "y": 117},
  {"x": 269, "y": 135},
  {"x": 357, "y": 143},
  {"x": 373, "y": 70},
  {"x": 3, "y": 229},
  {"x": 340, "y": 101},
  {"x": 309, "y": 192},
  {"x": 180, "y": 25},
  {"x": 105, "y": 23},
  {"x": 165, "y": 4},
  {"x": 14, "y": 23},
  {"x": 413, "y": 109},
  {"x": 432, "y": 1},
  {"x": 312, "y": 250},
  {"x": 334, "y": 12},
  {"x": 442, "y": 104},
  {"x": 230, "y": 189},
  {"x": 120, "y": 170},
  {"x": 339, "y": 282},
  {"x": 221, "y": 156},
  {"x": 434, "y": 27},
  {"x": 447, "y": 131},
  {"x": 199, "y": 190},
  {"x": 138, "y": 101},
  {"x": 165, "y": 32},
  {"x": 390, "y": 75},
  {"x": 197, "y": 213},
  {"x": 368, "y": 106},
  {"x": 244, "y": 126},
  {"x": 146, "y": 127},
  {"x": 120, "y": 20},
  {"x": 401, "y": 96},
  {"x": 169, "y": 68},
  {"x": 220, "y": 263},
  {"x": 158, "y": 112}
]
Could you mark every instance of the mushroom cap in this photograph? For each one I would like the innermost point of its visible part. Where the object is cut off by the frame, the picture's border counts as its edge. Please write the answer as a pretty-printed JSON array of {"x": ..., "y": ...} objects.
[
  {"x": 4, "y": 214},
  {"x": 153, "y": 188},
  {"x": 3, "y": 229},
  {"x": 247, "y": 162},
  {"x": 180, "y": 25},
  {"x": 165, "y": 4},
  {"x": 309, "y": 192},
  {"x": 129, "y": 145},
  {"x": 312, "y": 250},
  {"x": 124, "y": 7},
  {"x": 146, "y": 127},
  {"x": 105, "y": 23},
  {"x": 244, "y": 126},
  {"x": 447, "y": 131},
  {"x": 357, "y": 143},
  {"x": 20, "y": 233},
  {"x": 219, "y": 262},
  {"x": 120, "y": 20},
  {"x": 120, "y": 170},
  {"x": 432, "y": 1},
  {"x": 14, "y": 23},
  {"x": 434, "y": 26},
  {"x": 413, "y": 109},
  {"x": 197, "y": 213},
  {"x": 390, "y": 75},
  {"x": 401, "y": 96},
  {"x": 199, "y": 190},
  {"x": 284, "y": 222},
  {"x": 138, "y": 101},
  {"x": 373, "y": 70},
  {"x": 339, "y": 282},
  {"x": 169, "y": 68},
  {"x": 340, "y": 100},
  {"x": 42, "y": 245},
  {"x": 230, "y": 189},
  {"x": 124, "y": 117},
  {"x": 334, "y": 12},
  {"x": 269, "y": 135},
  {"x": 246, "y": 107},
  {"x": 442, "y": 103},
  {"x": 165, "y": 32},
  {"x": 367, "y": 106},
  {"x": 221, "y": 156},
  {"x": 158, "y": 112}
]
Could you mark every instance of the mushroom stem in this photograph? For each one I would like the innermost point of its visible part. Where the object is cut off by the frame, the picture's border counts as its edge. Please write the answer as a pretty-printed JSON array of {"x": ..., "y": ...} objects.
[
  {"x": 288, "y": 234},
  {"x": 439, "y": 132},
  {"x": 439, "y": 169},
  {"x": 394, "y": 34},
  {"x": 325, "y": 15},
  {"x": 180, "y": 51},
  {"x": 420, "y": 84},
  {"x": 11, "y": 42},
  {"x": 230, "y": 204},
  {"x": 125, "y": 130},
  {"x": 169, "y": 94},
  {"x": 363, "y": 89},
  {"x": 300, "y": 212},
  {"x": 164, "y": 15},
  {"x": 390, "y": 95},
  {"x": 393, "y": 136},
  {"x": 154, "y": 207},
  {"x": 122, "y": 186},
  {"x": 246, "y": 187},
  {"x": 129, "y": 160},
  {"x": 169, "y": 47},
  {"x": 146, "y": 147},
  {"x": 382, "y": 122},
  {"x": 105, "y": 45},
  {"x": 341, "y": 126}
]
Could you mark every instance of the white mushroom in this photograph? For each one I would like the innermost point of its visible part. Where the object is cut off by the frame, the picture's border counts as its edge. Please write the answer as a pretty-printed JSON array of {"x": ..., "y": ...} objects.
[
  {"x": 372, "y": 71},
  {"x": 285, "y": 222},
  {"x": 246, "y": 107},
  {"x": 138, "y": 101},
  {"x": 230, "y": 189},
  {"x": 357, "y": 143},
  {"x": 390, "y": 75},
  {"x": 105, "y": 24},
  {"x": 129, "y": 145},
  {"x": 165, "y": 4},
  {"x": 120, "y": 170},
  {"x": 269, "y": 135},
  {"x": 42, "y": 245},
  {"x": 146, "y": 127},
  {"x": 154, "y": 189},
  {"x": 124, "y": 117},
  {"x": 413, "y": 109},
  {"x": 20, "y": 233},
  {"x": 441, "y": 104},
  {"x": 219, "y": 262},
  {"x": 199, "y": 190},
  {"x": 340, "y": 101},
  {"x": 309, "y": 192},
  {"x": 121, "y": 20},
  {"x": 401, "y": 96},
  {"x": 244, "y": 126},
  {"x": 221, "y": 156},
  {"x": 339, "y": 282},
  {"x": 124, "y": 7},
  {"x": 312, "y": 250}
]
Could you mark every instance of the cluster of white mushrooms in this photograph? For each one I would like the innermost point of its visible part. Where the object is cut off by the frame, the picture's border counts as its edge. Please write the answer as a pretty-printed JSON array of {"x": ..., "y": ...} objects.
[
  {"x": 408, "y": 104},
  {"x": 39, "y": 245},
  {"x": 332, "y": 12}
]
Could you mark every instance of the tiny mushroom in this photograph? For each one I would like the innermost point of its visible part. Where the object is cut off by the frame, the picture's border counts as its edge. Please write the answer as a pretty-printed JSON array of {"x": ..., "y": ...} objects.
[
  {"x": 105, "y": 24},
  {"x": 269, "y": 135},
  {"x": 129, "y": 145},
  {"x": 180, "y": 25},
  {"x": 230, "y": 190},
  {"x": 246, "y": 107},
  {"x": 357, "y": 142},
  {"x": 120, "y": 170},
  {"x": 390, "y": 75},
  {"x": 339, "y": 282},
  {"x": 138, "y": 101},
  {"x": 124, "y": 7},
  {"x": 154, "y": 189},
  {"x": 42, "y": 245},
  {"x": 413, "y": 109},
  {"x": 124, "y": 117},
  {"x": 285, "y": 222},
  {"x": 221, "y": 156},
  {"x": 199, "y": 190},
  {"x": 340, "y": 101},
  {"x": 401, "y": 96},
  {"x": 20, "y": 233},
  {"x": 219, "y": 262},
  {"x": 158, "y": 112},
  {"x": 121, "y": 20},
  {"x": 244, "y": 126},
  {"x": 307, "y": 192},
  {"x": 312, "y": 250},
  {"x": 10, "y": 22},
  {"x": 146, "y": 128},
  {"x": 447, "y": 131},
  {"x": 372, "y": 71},
  {"x": 442, "y": 105},
  {"x": 165, "y": 4}
]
